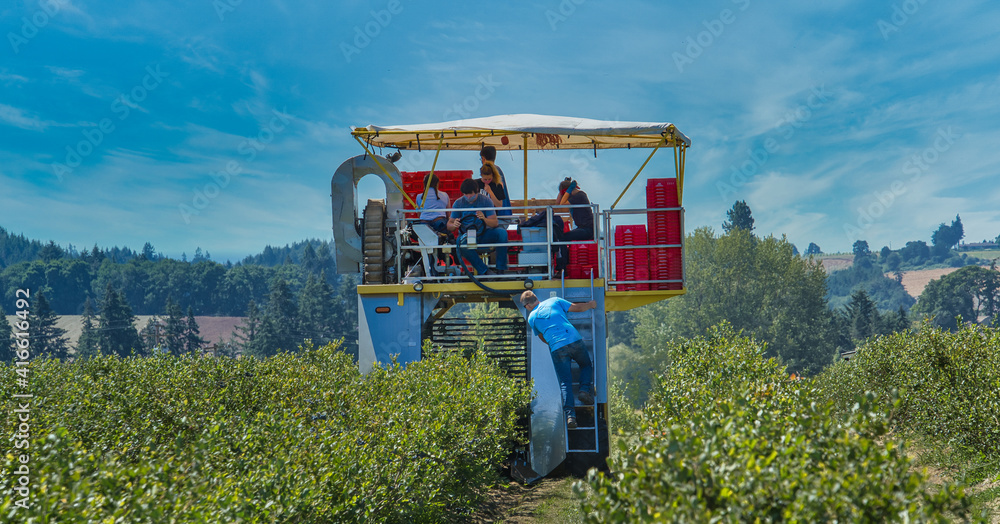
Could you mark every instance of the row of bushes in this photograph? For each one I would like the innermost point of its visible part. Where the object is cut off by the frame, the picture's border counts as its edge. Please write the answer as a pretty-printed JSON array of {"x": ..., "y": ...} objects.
[
  {"x": 942, "y": 384},
  {"x": 729, "y": 436},
  {"x": 293, "y": 438}
]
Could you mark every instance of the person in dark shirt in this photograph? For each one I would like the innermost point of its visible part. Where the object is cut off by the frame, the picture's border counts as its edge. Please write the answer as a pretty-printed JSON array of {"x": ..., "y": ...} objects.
[
  {"x": 488, "y": 156},
  {"x": 583, "y": 218},
  {"x": 489, "y": 186}
]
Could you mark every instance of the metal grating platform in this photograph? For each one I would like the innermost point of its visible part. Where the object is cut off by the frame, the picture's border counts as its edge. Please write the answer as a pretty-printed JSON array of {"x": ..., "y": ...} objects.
[{"x": 503, "y": 339}]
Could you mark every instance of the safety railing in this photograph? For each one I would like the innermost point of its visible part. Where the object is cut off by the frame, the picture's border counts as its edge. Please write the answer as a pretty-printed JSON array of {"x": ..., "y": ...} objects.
[{"x": 435, "y": 273}]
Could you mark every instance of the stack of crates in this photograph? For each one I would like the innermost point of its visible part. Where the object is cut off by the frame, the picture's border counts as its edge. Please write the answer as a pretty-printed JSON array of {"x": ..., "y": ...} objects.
[
  {"x": 582, "y": 261},
  {"x": 664, "y": 228},
  {"x": 450, "y": 183},
  {"x": 631, "y": 264}
]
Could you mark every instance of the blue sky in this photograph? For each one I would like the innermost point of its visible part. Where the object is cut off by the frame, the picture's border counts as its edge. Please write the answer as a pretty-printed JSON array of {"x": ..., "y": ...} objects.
[{"x": 835, "y": 121}]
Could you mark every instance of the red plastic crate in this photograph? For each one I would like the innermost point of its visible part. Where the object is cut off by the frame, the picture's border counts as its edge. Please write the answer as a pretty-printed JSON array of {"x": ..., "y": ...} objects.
[{"x": 631, "y": 264}]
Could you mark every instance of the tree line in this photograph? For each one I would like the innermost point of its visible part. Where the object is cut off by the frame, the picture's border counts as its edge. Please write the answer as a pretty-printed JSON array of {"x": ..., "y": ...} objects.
[
  {"x": 147, "y": 279},
  {"x": 318, "y": 312}
]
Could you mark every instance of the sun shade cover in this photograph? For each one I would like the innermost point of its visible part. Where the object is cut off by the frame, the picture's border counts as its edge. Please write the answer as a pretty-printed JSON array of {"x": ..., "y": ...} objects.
[{"x": 515, "y": 131}]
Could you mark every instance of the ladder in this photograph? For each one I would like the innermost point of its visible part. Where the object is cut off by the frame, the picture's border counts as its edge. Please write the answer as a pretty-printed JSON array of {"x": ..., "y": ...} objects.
[{"x": 585, "y": 437}]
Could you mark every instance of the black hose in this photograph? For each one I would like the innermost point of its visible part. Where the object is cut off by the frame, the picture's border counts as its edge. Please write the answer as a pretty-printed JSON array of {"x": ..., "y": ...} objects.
[{"x": 465, "y": 269}]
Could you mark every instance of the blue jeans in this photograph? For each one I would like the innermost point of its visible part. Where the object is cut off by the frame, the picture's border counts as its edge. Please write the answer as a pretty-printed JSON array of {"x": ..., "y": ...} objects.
[
  {"x": 493, "y": 235},
  {"x": 561, "y": 360}
]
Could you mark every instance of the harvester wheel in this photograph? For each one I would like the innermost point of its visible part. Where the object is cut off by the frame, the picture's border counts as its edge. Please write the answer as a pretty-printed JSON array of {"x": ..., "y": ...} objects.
[{"x": 373, "y": 243}]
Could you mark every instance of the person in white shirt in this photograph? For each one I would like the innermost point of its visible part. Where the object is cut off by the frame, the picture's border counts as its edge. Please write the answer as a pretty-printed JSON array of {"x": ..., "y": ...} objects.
[{"x": 436, "y": 201}]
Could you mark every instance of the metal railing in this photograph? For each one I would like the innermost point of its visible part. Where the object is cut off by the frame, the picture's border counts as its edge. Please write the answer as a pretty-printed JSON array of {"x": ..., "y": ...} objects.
[
  {"x": 531, "y": 270},
  {"x": 609, "y": 269}
]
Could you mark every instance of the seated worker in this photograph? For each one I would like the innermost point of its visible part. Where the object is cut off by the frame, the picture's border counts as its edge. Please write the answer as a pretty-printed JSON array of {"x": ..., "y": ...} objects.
[
  {"x": 583, "y": 218},
  {"x": 488, "y": 156},
  {"x": 483, "y": 222},
  {"x": 490, "y": 186},
  {"x": 438, "y": 220}
]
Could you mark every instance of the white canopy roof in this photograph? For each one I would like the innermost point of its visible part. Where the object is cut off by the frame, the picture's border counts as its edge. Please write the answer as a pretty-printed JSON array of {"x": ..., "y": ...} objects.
[{"x": 516, "y": 131}]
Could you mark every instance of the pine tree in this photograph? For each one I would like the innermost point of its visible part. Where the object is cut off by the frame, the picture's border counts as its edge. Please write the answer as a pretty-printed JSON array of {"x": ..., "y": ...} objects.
[
  {"x": 192, "y": 342},
  {"x": 87, "y": 344},
  {"x": 316, "y": 310},
  {"x": 47, "y": 340},
  {"x": 280, "y": 327},
  {"x": 117, "y": 325},
  {"x": 173, "y": 333},
  {"x": 863, "y": 316},
  {"x": 309, "y": 259},
  {"x": 740, "y": 217},
  {"x": 246, "y": 333},
  {"x": 8, "y": 342}
]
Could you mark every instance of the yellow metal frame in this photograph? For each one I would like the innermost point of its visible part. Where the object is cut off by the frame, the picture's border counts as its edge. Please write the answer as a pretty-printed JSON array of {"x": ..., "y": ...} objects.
[
  {"x": 386, "y": 171},
  {"x": 614, "y": 300}
]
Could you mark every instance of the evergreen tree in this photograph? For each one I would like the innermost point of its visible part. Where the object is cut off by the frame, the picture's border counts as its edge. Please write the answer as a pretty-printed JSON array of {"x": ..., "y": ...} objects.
[
  {"x": 192, "y": 340},
  {"x": 317, "y": 310},
  {"x": 813, "y": 249},
  {"x": 173, "y": 332},
  {"x": 87, "y": 344},
  {"x": 117, "y": 324},
  {"x": 310, "y": 262},
  {"x": 864, "y": 320},
  {"x": 345, "y": 317},
  {"x": 246, "y": 333},
  {"x": 280, "y": 328},
  {"x": 8, "y": 342},
  {"x": 740, "y": 217},
  {"x": 47, "y": 340}
]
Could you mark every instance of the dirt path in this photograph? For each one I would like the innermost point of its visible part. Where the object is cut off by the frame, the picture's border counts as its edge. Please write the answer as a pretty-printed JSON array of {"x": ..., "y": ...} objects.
[{"x": 549, "y": 501}]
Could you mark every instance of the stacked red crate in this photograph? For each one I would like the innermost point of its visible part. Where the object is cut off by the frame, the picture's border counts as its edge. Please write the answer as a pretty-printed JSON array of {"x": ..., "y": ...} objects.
[
  {"x": 664, "y": 228},
  {"x": 631, "y": 264},
  {"x": 582, "y": 261},
  {"x": 449, "y": 182}
]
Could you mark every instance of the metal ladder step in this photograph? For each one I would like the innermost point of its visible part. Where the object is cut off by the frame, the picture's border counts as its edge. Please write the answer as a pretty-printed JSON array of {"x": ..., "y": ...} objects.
[{"x": 589, "y": 342}]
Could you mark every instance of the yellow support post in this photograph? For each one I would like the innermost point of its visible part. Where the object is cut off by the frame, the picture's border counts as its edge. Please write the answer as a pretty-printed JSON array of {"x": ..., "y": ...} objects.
[
  {"x": 525, "y": 202},
  {"x": 384, "y": 170},
  {"x": 650, "y": 157},
  {"x": 427, "y": 186}
]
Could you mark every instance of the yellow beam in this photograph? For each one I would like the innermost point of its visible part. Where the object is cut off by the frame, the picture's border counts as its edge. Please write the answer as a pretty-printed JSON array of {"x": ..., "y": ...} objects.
[
  {"x": 650, "y": 157},
  {"x": 379, "y": 164},
  {"x": 514, "y": 286},
  {"x": 626, "y": 300}
]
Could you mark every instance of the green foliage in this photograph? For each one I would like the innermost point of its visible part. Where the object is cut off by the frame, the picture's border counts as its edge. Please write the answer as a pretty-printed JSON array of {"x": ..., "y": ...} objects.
[
  {"x": 294, "y": 438},
  {"x": 117, "y": 326},
  {"x": 948, "y": 383},
  {"x": 731, "y": 438},
  {"x": 740, "y": 217},
  {"x": 971, "y": 293},
  {"x": 757, "y": 285},
  {"x": 888, "y": 294},
  {"x": 47, "y": 340}
]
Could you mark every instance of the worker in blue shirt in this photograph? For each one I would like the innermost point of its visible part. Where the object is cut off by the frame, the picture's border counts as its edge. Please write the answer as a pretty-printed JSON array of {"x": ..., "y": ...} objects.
[{"x": 549, "y": 321}]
